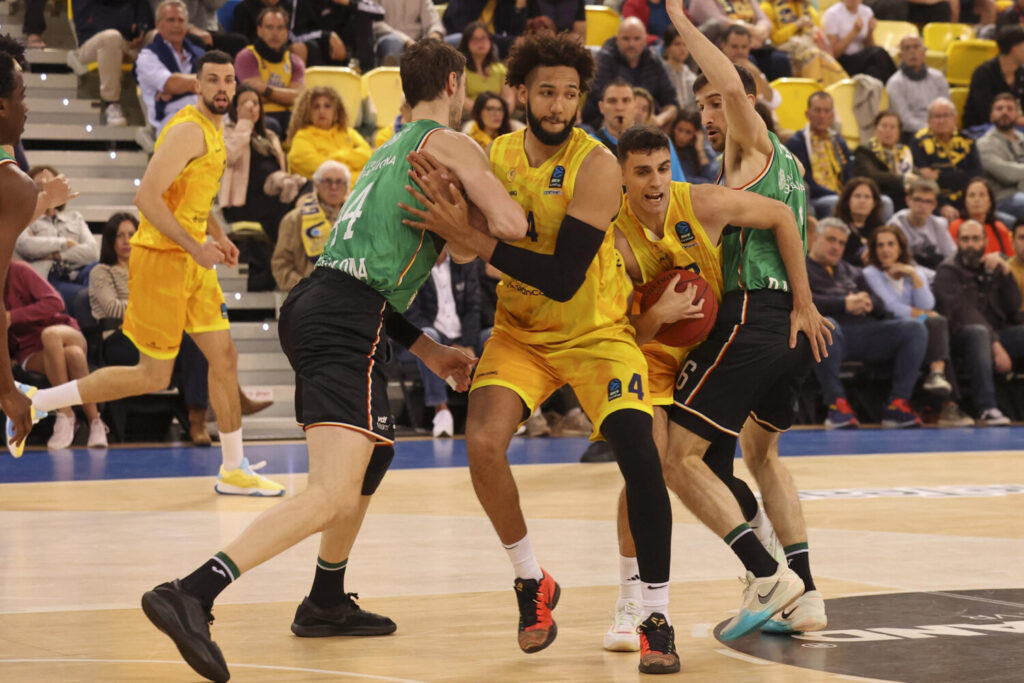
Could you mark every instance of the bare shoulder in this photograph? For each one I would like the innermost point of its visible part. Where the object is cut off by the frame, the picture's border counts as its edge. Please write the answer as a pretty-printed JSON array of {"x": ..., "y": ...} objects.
[
  {"x": 455, "y": 149},
  {"x": 598, "y": 169},
  {"x": 16, "y": 187}
]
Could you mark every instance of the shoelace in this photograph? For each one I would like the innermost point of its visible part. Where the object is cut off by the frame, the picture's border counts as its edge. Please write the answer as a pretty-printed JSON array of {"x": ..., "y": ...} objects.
[
  {"x": 626, "y": 618},
  {"x": 660, "y": 639}
]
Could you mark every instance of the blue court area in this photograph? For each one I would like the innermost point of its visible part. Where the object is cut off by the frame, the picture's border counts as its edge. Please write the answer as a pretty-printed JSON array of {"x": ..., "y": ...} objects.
[{"x": 133, "y": 462}]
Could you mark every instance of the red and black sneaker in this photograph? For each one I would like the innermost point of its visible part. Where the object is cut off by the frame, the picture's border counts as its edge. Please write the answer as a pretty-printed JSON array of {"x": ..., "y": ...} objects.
[
  {"x": 536, "y": 599},
  {"x": 657, "y": 646}
]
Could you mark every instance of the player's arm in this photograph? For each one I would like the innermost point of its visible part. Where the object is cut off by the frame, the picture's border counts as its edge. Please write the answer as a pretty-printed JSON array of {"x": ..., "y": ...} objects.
[
  {"x": 183, "y": 143},
  {"x": 746, "y": 128},
  {"x": 215, "y": 230},
  {"x": 447, "y": 362}
]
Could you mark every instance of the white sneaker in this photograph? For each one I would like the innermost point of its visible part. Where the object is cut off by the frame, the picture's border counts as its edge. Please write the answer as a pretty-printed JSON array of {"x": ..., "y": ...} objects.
[
  {"x": 807, "y": 613},
  {"x": 63, "y": 432},
  {"x": 992, "y": 417},
  {"x": 936, "y": 383},
  {"x": 97, "y": 434},
  {"x": 622, "y": 635},
  {"x": 76, "y": 64},
  {"x": 537, "y": 425},
  {"x": 114, "y": 115},
  {"x": 762, "y": 598},
  {"x": 444, "y": 424},
  {"x": 765, "y": 533}
]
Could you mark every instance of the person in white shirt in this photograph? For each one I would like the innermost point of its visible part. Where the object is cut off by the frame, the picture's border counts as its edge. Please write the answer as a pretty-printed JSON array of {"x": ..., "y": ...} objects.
[
  {"x": 166, "y": 67},
  {"x": 849, "y": 26}
]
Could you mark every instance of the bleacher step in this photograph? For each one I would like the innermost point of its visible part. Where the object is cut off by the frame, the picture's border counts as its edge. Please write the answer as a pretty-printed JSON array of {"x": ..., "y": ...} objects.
[
  {"x": 256, "y": 427},
  {"x": 80, "y": 132}
]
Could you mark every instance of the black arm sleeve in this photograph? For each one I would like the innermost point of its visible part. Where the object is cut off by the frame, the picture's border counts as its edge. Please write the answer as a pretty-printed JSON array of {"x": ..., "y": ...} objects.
[
  {"x": 400, "y": 329},
  {"x": 557, "y": 275}
]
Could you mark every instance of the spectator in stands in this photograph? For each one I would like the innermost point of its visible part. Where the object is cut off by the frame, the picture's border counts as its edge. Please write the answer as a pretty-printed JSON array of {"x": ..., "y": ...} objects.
[
  {"x": 166, "y": 68},
  {"x": 204, "y": 27},
  {"x": 34, "y": 25},
  {"x": 61, "y": 248},
  {"x": 255, "y": 186},
  {"x": 651, "y": 13},
  {"x": 643, "y": 106},
  {"x": 849, "y": 26},
  {"x": 862, "y": 332},
  {"x": 109, "y": 32},
  {"x": 321, "y": 130},
  {"x": 1002, "y": 73},
  {"x": 45, "y": 340},
  {"x": 735, "y": 43},
  {"x": 1011, "y": 16},
  {"x": 272, "y": 69},
  {"x": 905, "y": 292},
  {"x": 979, "y": 296},
  {"x": 108, "y": 297},
  {"x": 919, "y": 12},
  {"x": 484, "y": 73},
  {"x": 946, "y": 155},
  {"x": 860, "y": 208},
  {"x": 490, "y": 119},
  {"x": 714, "y": 17},
  {"x": 357, "y": 24},
  {"x": 410, "y": 20},
  {"x": 826, "y": 159},
  {"x": 567, "y": 15},
  {"x": 627, "y": 56},
  {"x": 306, "y": 228},
  {"x": 885, "y": 160},
  {"x": 927, "y": 234},
  {"x": 385, "y": 133},
  {"x": 682, "y": 72},
  {"x": 618, "y": 112},
  {"x": 797, "y": 31},
  {"x": 979, "y": 205},
  {"x": 505, "y": 21},
  {"x": 1001, "y": 150},
  {"x": 447, "y": 309},
  {"x": 315, "y": 48},
  {"x": 699, "y": 161},
  {"x": 914, "y": 86},
  {"x": 1017, "y": 262}
]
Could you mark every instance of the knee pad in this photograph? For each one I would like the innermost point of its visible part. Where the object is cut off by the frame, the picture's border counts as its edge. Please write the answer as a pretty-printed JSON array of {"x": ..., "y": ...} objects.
[{"x": 378, "y": 466}]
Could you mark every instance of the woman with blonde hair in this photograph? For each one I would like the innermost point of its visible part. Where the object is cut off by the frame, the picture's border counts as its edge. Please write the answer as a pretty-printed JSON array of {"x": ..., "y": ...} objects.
[{"x": 320, "y": 130}]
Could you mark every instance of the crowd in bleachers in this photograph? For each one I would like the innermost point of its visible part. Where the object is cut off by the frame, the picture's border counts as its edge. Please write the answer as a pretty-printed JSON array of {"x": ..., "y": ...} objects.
[{"x": 915, "y": 183}]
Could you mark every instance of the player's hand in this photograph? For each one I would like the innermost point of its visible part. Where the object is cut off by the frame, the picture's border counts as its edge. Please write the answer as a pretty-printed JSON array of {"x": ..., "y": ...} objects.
[
  {"x": 675, "y": 10},
  {"x": 673, "y": 306},
  {"x": 805, "y": 318},
  {"x": 208, "y": 254},
  {"x": 18, "y": 407},
  {"x": 448, "y": 217},
  {"x": 229, "y": 250},
  {"x": 447, "y": 362},
  {"x": 426, "y": 167}
]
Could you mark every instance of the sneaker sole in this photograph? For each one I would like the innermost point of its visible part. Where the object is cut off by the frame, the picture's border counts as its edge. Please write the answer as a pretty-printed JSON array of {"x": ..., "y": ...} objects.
[
  {"x": 621, "y": 643},
  {"x": 329, "y": 630},
  {"x": 163, "y": 615},
  {"x": 659, "y": 668},
  {"x": 892, "y": 424},
  {"x": 751, "y": 621},
  {"x": 553, "y": 631},
  {"x": 232, "y": 490},
  {"x": 805, "y": 626}
]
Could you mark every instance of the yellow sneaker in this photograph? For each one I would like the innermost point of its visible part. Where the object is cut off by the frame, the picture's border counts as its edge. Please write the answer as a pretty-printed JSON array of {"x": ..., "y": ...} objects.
[
  {"x": 244, "y": 481},
  {"x": 18, "y": 449}
]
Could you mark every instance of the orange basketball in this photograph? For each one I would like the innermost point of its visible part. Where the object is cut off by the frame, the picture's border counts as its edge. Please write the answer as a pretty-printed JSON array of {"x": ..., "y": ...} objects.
[{"x": 688, "y": 331}]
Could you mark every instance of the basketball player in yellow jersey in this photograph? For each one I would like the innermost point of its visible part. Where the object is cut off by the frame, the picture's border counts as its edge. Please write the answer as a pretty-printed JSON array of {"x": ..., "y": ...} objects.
[
  {"x": 665, "y": 225},
  {"x": 173, "y": 287}
]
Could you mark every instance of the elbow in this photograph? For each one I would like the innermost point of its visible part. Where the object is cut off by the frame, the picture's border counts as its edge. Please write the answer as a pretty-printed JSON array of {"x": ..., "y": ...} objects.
[
  {"x": 566, "y": 287},
  {"x": 512, "y": 230}
]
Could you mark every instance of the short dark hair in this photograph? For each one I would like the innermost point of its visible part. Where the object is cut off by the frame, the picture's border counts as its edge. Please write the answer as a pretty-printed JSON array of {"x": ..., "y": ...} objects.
[
  {"x": 746, "y": 78},
  {"x": 617, "y": 82},
  {"x": 1004, "y": 96},
  {"x": 1009, "y": 37},
  {"x": 213, "y": 57},
  {"x": 641, "y": 139},
  {"x": 425, "y": 67},
  {"x": 888, "y": 112},
  {"x": 670, "y": 35},
  {"x": 12, "y": 52},
  {"x": 108, "y": 254},
  {"x": 272, "y": 9},
  {"x": 540, "y": 49},
  {"x": 815, "y": 95},
  {"x": 901, "y": 239},
  {"x": 735, "y": 29},
  {"x": 842, "y": 208}
]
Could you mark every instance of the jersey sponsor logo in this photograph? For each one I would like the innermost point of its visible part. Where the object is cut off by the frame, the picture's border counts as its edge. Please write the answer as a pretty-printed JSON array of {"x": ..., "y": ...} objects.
[
  {"x": 485, "y": 374},
  {"x": 547, "y": 192},
  {"x": 511, "y": 174},
  {"x": 685, "y": 233},
  {"x": 224, "y": 311},
  {"x": 377, "y": 164},
  {"x": 383, "y": 422},
  {"x": 614, "y": 389},
  {"x": 348, "y": 265},
  {"x": 557, "y": 177}
]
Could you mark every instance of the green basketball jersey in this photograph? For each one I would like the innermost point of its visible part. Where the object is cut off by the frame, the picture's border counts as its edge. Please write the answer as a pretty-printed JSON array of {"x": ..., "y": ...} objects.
[
  {"x": 369, "y": 240},
  {"x": 4, "y": 156},
  {"x": 750, "y": 258}
]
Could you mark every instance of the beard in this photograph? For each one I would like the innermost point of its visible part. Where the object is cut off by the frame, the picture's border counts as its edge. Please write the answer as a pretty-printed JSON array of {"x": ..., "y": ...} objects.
[
  {"x": 216, "y": 108},
  {"x": 546, "y": 137},
  {"x": 1004, "y": 124},
  {"x": 971, "y": 257}
]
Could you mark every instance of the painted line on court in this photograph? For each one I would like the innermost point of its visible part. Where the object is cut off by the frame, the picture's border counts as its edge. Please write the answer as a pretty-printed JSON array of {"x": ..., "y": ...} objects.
[
  {"x": 269, "y": 667},
  {"x": 700, "y": 630},
  {"x": 975, "y": 598},
  {"x": 743, "y": 657}
]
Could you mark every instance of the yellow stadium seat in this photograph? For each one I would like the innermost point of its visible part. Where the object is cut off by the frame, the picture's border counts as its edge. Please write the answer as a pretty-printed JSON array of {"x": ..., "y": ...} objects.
[
  {"x": 1003, "y": 5},
  {"x": 440, "y": 9},
  {"x": 794, "y": 93},
  {"x": 602, "y": 24},
  {"x": 825, "y": 4},
  {"x": 964, "y": 56},
  {"x": 842, "y": 93},
  {"x": 384, "y": 85},
  {"x": 938, "y": 35},
  {"x": 889, "y": 33},
  {"x": 959, "y": 97},
  {"x": 346, "y": 81}
]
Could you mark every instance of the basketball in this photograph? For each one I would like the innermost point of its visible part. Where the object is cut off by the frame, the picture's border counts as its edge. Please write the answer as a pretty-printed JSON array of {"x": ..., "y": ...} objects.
[{"x": 688, "y": 331}]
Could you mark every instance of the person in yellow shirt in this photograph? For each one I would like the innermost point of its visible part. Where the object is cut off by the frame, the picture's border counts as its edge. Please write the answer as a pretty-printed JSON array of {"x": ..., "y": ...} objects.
[
  {"x": 320, "y": 130},
  {"x": 796, "y": 30},
  {"x": 490, "y": 119},
  {"x": 483, "y": 70}
]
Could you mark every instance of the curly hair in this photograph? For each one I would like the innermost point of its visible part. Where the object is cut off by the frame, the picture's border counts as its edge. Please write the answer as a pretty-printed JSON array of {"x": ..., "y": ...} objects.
[
  {"x": 542, "y": 49},
  {"x": 301, "y": 115},
  {"x": 12, "y": 52}
]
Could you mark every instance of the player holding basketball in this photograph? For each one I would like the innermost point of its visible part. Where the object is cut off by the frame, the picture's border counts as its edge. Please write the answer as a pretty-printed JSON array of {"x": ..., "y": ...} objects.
[
  {"x": 756, "y": 356},
  {"x": 665, "y": 225},
  {"x": 334, "y": 327},
  {"x": 561, "y": 318}
]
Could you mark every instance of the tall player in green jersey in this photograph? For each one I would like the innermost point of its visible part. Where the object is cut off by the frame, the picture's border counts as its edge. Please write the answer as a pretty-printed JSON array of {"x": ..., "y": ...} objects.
[
  {"x": 748, "y": 372},
  {"x": 334, "y": 328}
]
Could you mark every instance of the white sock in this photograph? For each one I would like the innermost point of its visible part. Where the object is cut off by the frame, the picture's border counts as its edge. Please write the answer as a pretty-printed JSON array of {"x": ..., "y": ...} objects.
[
  {"x": 655, "y": 599},
  {"x": 231, "y": 449},
  {"x": 524, "y": 562},
  {"x": 629, "y": 580},
  {"x": 60, "y": 396}
]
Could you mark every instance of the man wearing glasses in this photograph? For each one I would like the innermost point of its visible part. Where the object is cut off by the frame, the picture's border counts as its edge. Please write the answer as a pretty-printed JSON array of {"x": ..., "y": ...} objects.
[
  {"x": 944, "y": 154},
  {"x": 927, "y": 233}
]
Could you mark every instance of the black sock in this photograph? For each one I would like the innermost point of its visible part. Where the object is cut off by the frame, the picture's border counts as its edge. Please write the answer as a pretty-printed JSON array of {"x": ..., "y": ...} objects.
[
  {"x": 752, "y": 554},
  {"x": 207, "y": 582},
  {"x": 799, "y": 558},
  {"x": 328, "y": 584}
]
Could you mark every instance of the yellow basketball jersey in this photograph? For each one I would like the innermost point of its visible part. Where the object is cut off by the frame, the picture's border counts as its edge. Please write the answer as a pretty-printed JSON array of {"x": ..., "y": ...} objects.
[
  {"x": 683, "y": 244},
  {"x": 190, "y": 197},
  {"x": 274, "y": 74},
  {"x": 544, "y": 192}
]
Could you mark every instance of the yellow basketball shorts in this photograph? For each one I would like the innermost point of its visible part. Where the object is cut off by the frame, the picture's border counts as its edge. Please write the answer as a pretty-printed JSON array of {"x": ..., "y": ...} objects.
[
  {"x": 606, "y": 374},
  {"x": 169, "y": 293},
  {"x": 661, "y": 379}
]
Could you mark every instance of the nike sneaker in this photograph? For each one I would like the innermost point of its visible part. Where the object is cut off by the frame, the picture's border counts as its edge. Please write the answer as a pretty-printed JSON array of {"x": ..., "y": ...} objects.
[
  {"x": 762, "y": 598},
  {"x": 807, "y": 613},
  {"x": 537, "y": 628}
]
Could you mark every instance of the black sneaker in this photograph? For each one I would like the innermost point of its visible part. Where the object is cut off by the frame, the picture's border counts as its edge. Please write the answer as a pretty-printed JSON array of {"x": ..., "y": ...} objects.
[
  {"x": 347, "y": 619},
  {"x": 537, "y": 628},
  {"x": 657, "y": 646},
  {"x": 183, "y": 618}
]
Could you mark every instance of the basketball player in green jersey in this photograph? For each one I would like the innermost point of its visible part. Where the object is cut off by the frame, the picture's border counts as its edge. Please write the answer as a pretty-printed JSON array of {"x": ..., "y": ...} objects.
[
  {"x": 764, "y": 338},
  {"x": 334, "y": 328}
]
